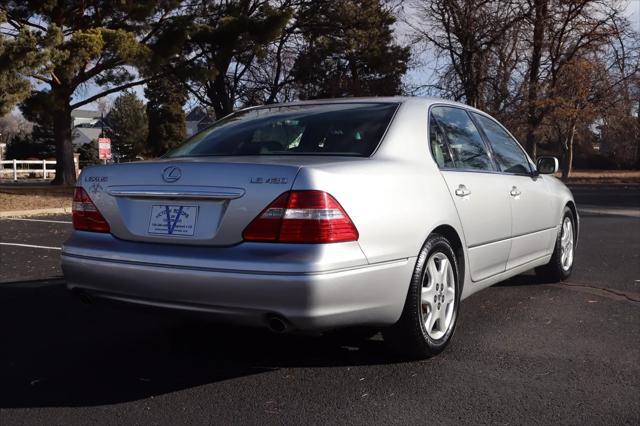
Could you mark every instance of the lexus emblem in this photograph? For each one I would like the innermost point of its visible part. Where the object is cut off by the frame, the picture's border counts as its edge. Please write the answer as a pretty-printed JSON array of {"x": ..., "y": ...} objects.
[{"x": 171, "y": 174}]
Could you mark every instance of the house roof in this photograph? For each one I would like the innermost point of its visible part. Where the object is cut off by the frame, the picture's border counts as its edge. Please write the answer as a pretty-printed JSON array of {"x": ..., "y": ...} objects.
[
  {"x": 96, "y": 124},
  {"x": 84, "y": 135},
  {"x": 197, "y": 114},
  {"x": 85, "y": 113}
]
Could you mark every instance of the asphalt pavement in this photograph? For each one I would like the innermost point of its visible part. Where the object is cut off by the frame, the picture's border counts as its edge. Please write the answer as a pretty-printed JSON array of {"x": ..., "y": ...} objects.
[{"x": 525, "y": 351}]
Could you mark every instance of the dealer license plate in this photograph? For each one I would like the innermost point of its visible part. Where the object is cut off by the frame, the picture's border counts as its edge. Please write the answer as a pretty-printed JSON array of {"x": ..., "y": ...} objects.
[{"x": 173, "y": 220}]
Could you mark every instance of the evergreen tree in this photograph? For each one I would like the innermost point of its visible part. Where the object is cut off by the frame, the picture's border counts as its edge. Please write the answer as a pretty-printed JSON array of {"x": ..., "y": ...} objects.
[
  {"x": 89, "y": 154},
  {"x": 167, "y": 127},
  {"x": 127, "y": 127},
  {"x": 349, "y": 50},
  {"x": 19, "y": 58},
  {"x": 65, "y": 44},
  {"x": 226, "y": 39},
  {"x": 26, "y": 146}
]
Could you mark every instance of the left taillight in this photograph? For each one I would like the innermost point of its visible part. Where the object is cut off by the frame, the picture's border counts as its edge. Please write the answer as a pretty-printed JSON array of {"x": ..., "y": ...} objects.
[
  {"x": 306, "y": 216},
  {"x": 86, "y": 216}
]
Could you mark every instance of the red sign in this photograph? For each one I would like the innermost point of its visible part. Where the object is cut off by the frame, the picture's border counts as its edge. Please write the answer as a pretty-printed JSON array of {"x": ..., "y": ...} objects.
[{"x": 104, "y": 148}]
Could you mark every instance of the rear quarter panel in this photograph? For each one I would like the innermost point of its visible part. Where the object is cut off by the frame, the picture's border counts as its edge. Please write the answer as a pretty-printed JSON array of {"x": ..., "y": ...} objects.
[{"x": 395, "y": 198}]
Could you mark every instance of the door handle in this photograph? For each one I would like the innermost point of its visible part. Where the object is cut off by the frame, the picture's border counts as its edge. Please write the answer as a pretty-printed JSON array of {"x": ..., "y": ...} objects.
[
  {"x": 515, "y": 191},
  {"x": 462, "y": 191}
]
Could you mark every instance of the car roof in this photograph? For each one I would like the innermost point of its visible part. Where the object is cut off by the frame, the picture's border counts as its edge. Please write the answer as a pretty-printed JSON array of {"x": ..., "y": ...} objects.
[{"x": 421, "y": 100}]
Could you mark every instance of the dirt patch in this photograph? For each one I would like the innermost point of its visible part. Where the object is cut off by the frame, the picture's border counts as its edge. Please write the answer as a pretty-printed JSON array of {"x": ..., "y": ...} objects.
[{"x": 12, "y": 202}]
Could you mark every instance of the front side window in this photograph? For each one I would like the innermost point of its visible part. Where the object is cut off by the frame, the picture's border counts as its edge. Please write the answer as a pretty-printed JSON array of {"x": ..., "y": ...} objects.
[
  {"x": 508, "y": 153},
  {"x": 466, "y": 144},
  {"x": 351, "y": 129},
  {"x": 439, "y": 147}
]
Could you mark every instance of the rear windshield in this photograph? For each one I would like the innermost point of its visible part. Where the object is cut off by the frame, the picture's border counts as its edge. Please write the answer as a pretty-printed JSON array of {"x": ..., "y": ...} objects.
[{"x": 352, "y": 129}]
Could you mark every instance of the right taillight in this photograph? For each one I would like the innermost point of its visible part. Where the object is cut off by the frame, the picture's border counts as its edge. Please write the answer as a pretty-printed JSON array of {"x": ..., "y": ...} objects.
[
  {"x": 302, "y": 217},
  {"x": 86, "y": 216}
]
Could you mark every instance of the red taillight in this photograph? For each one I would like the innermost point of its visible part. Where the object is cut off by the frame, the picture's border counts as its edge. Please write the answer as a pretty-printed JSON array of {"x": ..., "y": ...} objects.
[
  {"x": 302, "y": 217},
  {"x": 86, "y": 216}
]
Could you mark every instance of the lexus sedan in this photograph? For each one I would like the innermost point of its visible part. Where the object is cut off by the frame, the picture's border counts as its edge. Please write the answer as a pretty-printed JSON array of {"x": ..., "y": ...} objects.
[{"x": 383, "y": 213}]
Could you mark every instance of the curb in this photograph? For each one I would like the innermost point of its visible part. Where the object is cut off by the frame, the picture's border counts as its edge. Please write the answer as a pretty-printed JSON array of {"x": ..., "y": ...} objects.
[
  {"x": 603, "y": 211},
  {"x": 35, "y": 212}
]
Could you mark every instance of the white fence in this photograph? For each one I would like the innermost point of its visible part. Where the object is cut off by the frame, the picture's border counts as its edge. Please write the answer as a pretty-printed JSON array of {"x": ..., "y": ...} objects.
[{"x": 32, "y": 168}]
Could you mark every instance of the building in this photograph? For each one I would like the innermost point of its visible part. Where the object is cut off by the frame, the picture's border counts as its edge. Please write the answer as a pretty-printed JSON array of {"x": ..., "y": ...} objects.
[
  {"x": 85, "y": 135},
  {"x": 198, "y": 119},
  {"x": 87, "y": 126}
]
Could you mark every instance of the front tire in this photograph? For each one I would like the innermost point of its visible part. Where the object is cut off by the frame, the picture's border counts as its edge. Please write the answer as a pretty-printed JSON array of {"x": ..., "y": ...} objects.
[
  {"x": 430, "y": 311},
  {"x": 560, "y": 266}
]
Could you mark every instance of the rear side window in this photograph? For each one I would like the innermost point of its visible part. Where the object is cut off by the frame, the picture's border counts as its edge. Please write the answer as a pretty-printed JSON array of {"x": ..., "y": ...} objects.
[
  {"x": 439, "y": 147},
  {"x": 508, "y": 153},
  {"x": 466, "y": 144},
  {"x": 351, "y": 129}
]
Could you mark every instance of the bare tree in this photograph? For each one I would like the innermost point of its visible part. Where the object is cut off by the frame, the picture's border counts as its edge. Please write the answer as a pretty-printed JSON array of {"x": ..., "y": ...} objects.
[
  {"x": 269, "y": 78},
  {"x": 12, "y": 125},
  {"x": 465, "y": 32},
  {"x": 562, "y": 30},
  {"x": 551, "y": 69}
]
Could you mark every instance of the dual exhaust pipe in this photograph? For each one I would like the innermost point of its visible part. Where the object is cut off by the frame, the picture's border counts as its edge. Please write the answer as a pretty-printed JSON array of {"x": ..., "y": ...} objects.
[
  {"x": 83, "y": 296},
  {"x": 278, "y": 324}
]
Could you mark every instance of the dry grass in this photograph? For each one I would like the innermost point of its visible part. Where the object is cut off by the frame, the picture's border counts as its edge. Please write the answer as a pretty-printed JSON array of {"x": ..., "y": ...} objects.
[
  {"x": 12, "y": 202},
  {"x": 603, "y": 177},
  {"x": 610, "y": 174}
]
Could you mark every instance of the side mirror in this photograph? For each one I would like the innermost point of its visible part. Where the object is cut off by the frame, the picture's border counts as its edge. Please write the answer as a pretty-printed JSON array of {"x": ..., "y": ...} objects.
[{"x": 547, "y": 165}]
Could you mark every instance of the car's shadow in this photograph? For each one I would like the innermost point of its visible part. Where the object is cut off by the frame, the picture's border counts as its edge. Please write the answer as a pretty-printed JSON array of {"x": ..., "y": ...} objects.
[
  {"x": 526, "y": 279},
  {"x": 54, "y": 351}
]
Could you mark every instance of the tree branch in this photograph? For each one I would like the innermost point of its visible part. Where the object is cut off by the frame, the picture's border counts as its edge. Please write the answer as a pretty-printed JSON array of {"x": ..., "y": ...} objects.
[
  {"x": 202, "y": 99},
  {"x": 110, "y": 91},
  {"x": 41, "y": 78},
  {"x": 18, "y": 23}
]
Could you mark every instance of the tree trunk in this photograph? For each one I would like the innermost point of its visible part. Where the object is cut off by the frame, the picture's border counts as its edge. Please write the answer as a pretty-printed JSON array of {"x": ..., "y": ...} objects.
[
  {"x": 637, "y": 133},
  {"x": 533, "y": 119},
  {"x": 220, "y": 97},
  {"x": 65, "y": 166},
  {"x": 567, "y": 148}
]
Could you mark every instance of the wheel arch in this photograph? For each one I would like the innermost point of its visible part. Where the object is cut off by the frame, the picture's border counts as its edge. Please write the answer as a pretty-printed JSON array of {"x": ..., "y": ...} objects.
[
  {"x": 576, "y": 218},
  {"x": 451, "y": 234}
]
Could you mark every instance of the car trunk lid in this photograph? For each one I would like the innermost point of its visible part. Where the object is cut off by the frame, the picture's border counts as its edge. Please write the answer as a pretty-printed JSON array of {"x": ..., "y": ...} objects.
[{"x": 205, "y": 202}]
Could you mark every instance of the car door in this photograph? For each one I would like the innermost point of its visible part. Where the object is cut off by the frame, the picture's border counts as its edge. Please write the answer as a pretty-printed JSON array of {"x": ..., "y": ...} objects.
[
  {"x": 532, "y": 222},
  {"x": 480, "y": 194}
]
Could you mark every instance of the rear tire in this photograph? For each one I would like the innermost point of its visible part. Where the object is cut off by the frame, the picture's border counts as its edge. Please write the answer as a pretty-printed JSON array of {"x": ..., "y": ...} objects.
[
  {"x": 430, "y": 311},
  {"x": 560, "y": 266}
]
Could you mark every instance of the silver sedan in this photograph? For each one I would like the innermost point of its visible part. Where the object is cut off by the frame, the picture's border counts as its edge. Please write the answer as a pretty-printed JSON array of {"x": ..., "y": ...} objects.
[{"x": 378, "y": 212}]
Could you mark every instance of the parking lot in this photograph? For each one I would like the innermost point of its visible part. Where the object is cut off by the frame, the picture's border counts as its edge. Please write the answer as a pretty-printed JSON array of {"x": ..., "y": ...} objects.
[{"x": 525, "y": 351}]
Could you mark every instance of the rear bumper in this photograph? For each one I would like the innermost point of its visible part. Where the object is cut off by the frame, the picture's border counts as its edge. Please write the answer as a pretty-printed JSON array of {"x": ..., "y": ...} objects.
[{"x": 312, "y": 288}]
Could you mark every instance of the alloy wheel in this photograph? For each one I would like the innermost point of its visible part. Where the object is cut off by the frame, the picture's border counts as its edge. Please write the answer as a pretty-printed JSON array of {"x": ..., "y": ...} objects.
[
  {"x": 566, "y": 244},
  {"x": 438, "y": 297}
]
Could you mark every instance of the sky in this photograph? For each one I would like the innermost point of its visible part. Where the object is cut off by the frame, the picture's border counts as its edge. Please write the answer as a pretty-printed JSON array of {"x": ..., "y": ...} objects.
[{"x": 633, "y": 10}]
